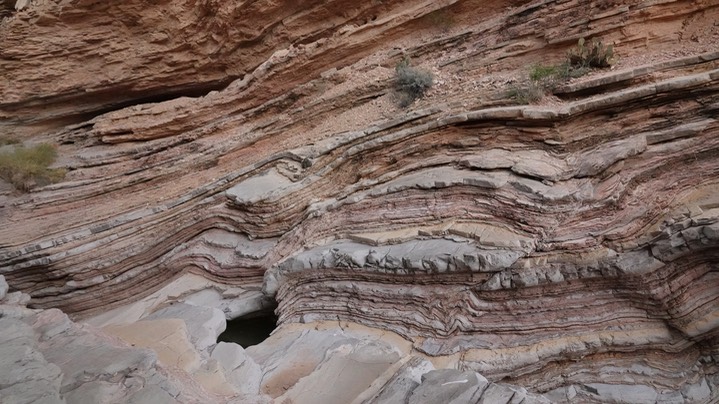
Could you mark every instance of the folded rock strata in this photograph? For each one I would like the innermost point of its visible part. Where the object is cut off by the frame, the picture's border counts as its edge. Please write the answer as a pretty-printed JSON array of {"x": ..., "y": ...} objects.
[
  {"x": 167, "y": 357},
  {"x": 229, "y": 156}
]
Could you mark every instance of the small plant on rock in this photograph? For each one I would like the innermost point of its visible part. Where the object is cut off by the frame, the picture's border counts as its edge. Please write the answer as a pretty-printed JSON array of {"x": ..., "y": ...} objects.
[
  {"x": 542, "y": 78},
  {"x": 592, "y": 54},
  {"x": 527, "y": 93},
  {"x": 541, "y": 72},
  {"x": 545, "y": 78},
  {"x": 25, "y": 167},
  {"x": 551, "y": 75},
  {"x": 411, "y": 83}
]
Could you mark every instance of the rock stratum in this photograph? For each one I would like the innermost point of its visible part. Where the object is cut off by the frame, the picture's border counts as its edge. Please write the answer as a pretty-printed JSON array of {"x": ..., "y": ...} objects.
[{"x": 229, "y": 158}]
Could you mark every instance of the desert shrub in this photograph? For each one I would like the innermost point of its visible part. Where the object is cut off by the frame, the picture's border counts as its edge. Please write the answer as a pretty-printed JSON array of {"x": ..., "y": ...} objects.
[
  {"x": 6, "y": 140},
  {"x": 592, "y": 54},
  {"x": 527, "y": 93},
  {"x": 411, "y": 83},
  {"x": 25, "y": 167},
  {"x": 540, "y": 72},
  {"x": 545, "y": 78},
  {"x": 566, "y": 71},
  {"x": 542, "y": 78},
  {"x": 553, "y": 74}
]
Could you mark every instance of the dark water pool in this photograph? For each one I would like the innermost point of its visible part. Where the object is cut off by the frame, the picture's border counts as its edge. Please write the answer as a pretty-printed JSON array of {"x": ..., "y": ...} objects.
[{"x": 249, "y": 331}]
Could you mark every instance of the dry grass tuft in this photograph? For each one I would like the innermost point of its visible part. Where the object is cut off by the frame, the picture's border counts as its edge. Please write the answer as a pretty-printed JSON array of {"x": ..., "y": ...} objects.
[{"x": 27, "y": 167}]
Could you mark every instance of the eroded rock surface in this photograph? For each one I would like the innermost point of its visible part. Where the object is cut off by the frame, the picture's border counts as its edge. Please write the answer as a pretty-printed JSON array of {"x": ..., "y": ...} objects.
[
  {"x": 225, "y": 158},
  {"x": 47, "y": 358}
]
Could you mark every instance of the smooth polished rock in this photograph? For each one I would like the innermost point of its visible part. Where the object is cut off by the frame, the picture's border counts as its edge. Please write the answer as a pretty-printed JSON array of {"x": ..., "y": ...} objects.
[
  {"x": 169, "y": 338},
  {"x": 403, "y": 382},
  {"x": 241, "y": 370},
  {"x": 47, "y": 358},
  {"x": 204, "y": 324},
  {"x": 3, "y": 287},
  {"x": 25, "y": 374},
  {"x": 449, "y": 386}
]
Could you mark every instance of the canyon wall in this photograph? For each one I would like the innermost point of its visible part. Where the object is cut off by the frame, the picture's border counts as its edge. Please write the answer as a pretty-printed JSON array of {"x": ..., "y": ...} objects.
[{"x": 569, "y": 248}]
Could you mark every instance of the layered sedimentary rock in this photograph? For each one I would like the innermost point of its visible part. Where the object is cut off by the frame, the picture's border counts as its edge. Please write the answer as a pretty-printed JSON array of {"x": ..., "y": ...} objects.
[
  {"x": 172, "y": 356},
  {"x": 569, "y": 247}
]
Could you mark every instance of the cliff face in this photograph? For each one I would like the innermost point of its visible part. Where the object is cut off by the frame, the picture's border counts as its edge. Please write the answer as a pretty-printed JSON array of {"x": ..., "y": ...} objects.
[{"x": 568, "y": 247}]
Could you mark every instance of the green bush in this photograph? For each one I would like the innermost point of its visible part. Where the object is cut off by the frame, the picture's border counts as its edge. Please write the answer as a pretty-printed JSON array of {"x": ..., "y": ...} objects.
[
  {"x": 541, "y": 72},
  {"x": 25, "y": 167},
  {"x": 412, "y": 83}
]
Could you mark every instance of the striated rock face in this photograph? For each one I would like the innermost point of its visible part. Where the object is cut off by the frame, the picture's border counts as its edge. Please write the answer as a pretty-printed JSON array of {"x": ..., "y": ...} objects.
[{"x": 230, "y": 157}]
